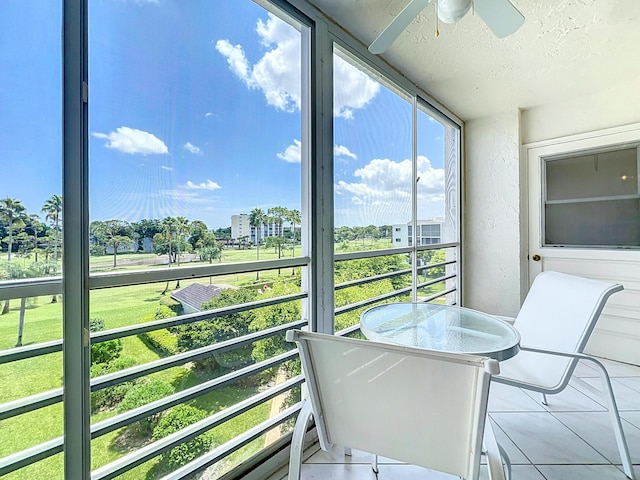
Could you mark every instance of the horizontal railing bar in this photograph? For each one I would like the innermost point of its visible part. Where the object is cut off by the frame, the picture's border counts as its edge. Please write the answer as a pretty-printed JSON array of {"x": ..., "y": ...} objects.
[
  {"x": 436, "y": 246},
  {"x": 184, "y": 435},
  {"x": 45, "y": 348},
  {"x": 158, "y": 275},
  {"x": 345, "y": 256},
  {"x": 135, "y": 414},
  {"x": 30, "y": 287},
  {"x": 438, "y": 295},
  {"x": 371, "y": 301},
  {"x": 125, "y": 375},
  {"x": 43, "y": 286},
  {"x": 233, "y": 445},
  {"x": 374, "y": 278},
  {"x": 429, "y": 266},
  {"x": 40, "y": 400},
  {"x": 191, "y": 318},
  {"x": 47, "y": 449},
  {"x": 27, "y": 404},
  {"x": 30, "y": 351},
  {"x": 26, "y": 457},
  {"x": 342, "y": 257},
  {"x": 345, "y": 332},
  {"x": 437, "y": 280}
]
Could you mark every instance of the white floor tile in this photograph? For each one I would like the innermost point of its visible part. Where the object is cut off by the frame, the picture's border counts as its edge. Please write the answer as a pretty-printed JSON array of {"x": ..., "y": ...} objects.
[
  {"x": 336, "y": 455},
  {"x": 545, "y": 440},
  {"x": 518, "y": 472},
  {"x": 569, "y": 400},
  {"x": 631, "y": 382},
  {"x": 619, "y": 369},
  {"x": 585, "y": 369},
  {"x": 513, "y": 452},
  {"x": 596, "y": 429},
  {"x": 321, "y": 471},
  {"x": 632, "y": 417},
  {"x": 626, "y": 397},
  {"x": 411, "y": 472},
  {"x": 504, "y": 398},
  {"x": 581, "y": 472}
]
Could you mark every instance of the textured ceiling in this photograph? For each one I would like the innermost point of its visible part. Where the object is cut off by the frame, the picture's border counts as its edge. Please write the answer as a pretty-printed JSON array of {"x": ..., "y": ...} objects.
[{"x": 565, "y": 49}]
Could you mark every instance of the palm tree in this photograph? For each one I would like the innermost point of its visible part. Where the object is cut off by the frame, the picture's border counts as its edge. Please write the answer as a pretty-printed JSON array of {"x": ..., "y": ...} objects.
[
  {"x": 293, "y": 217},
  {"x": 257, "y": 217},
  {"x": 37, "y": 227},
  {"x": 11, "y": 211},
  {"x": 182, "y": 229},
  {"x": 53, "y": 209}
]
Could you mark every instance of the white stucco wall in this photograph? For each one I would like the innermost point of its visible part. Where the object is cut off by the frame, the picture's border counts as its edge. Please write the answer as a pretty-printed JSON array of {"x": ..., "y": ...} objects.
[
  {"x": 605, "y": 109},
  {"x": 494, "y": 251}
]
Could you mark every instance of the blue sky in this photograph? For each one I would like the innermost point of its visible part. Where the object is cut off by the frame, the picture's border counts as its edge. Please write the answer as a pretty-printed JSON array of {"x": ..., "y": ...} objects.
[{"x": 195, "y": 111}]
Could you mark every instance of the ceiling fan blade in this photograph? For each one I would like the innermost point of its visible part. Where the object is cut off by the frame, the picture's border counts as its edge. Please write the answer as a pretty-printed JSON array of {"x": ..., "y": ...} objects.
[
  {"x": 500, "y": 16},
  {"x": 397, "y": 25}
]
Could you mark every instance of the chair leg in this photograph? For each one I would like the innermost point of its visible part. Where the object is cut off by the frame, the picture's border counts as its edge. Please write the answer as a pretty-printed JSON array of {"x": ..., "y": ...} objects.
[
  {"x": 610, "y": 399},
  {"x": 495, "y": 455},
  {"x": 374, "y": 464},
  {"x": 544, "y": 399},
  {"x": 297, "y": 441}
]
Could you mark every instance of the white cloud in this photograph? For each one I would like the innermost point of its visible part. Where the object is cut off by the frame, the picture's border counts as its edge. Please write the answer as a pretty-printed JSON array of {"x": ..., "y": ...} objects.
[
  {"x": 132, "y": 140},
  {"x": 208, "y": 114},
  {"x": 342, "y": 151},
  {"x": 164, "y": 167},
  {"x": 208, "y": 185},
  {"x": 277, "y": 73},
  {"x": 292, "y": 153},
  {"x": 386, "y": 185},
  {"x": 353, "y": 88},
  {"x": 192, "y": 148}
]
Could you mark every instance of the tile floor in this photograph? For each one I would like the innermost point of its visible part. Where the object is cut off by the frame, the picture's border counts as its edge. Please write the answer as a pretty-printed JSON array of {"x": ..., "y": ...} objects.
[{"x": 571, "y": 438}]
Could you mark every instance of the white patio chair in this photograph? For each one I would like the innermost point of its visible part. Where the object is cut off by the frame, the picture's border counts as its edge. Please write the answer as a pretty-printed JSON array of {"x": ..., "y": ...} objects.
[
  {"x": 408, "y": 404},
  {"x": 555, "y": 322}
]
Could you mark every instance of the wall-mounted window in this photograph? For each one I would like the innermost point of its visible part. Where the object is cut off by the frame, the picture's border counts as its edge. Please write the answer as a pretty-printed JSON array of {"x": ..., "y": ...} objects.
[{"x": 592, "y": 199}]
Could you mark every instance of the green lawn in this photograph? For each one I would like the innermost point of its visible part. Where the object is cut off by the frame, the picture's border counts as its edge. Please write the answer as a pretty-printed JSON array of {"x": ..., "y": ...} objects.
[{"x": 117, "y": 307}]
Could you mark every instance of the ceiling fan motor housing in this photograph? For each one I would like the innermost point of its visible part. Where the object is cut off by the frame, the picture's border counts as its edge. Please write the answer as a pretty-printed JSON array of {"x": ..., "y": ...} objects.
[{"x": 450, "y": 11}]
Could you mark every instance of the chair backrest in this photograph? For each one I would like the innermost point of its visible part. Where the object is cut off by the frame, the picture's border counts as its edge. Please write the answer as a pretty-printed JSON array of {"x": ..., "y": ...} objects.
[
  {"x": 559, "y": 314},
  {"x": 416, "y": 406}
]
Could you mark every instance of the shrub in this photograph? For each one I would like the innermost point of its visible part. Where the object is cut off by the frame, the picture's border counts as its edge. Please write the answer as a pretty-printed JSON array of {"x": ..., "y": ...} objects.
[
  {"x": 103, "y": 352},
  {"x": 162, "y": 341},
  {"x": 109, "y": 397},
  {"x": 96, "y": 324},
  {"x": 174, "y": 305},
  {"x": 178, "y": 418},
  {"x": 141, "y": 394},
  {"x": 106, "y": 352}
]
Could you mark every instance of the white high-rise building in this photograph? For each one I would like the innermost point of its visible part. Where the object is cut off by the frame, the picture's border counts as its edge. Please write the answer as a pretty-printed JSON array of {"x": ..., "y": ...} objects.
[{"x": 429, "y": 232}]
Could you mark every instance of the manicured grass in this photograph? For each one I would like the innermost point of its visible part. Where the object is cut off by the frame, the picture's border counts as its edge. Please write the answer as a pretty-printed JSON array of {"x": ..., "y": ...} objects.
[{"x": 117, "y": 307}]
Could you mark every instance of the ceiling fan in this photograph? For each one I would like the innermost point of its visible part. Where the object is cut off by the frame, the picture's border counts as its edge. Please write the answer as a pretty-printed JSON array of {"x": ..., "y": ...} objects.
[{"x": 499, "y": 15}]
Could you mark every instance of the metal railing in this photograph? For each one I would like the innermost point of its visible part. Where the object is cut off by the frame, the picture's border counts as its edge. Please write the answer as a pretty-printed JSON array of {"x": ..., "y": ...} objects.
[{"x": 52, "y": 286}]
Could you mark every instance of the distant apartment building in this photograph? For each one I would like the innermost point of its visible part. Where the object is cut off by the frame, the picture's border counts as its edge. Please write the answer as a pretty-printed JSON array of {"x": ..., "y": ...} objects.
[
  {"x": 428, "y": 232},
  {"x": 240, "y": 227}
]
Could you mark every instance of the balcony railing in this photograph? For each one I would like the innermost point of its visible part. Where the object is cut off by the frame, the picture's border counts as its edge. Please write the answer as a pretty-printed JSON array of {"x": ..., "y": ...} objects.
[{"x": 411, "y": 278}]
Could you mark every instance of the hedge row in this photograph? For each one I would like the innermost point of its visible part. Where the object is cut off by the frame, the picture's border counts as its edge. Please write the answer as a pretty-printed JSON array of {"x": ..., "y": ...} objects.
[{"x": 162, "y": 341}]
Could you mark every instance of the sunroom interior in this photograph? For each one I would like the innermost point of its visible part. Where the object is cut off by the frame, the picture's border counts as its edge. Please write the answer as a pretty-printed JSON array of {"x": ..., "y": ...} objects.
[{"x": 187, "y": 181}]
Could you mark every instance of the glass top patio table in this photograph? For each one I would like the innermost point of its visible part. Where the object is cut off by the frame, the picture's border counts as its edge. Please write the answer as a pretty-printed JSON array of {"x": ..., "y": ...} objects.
[{"x": 444, "y": 328}]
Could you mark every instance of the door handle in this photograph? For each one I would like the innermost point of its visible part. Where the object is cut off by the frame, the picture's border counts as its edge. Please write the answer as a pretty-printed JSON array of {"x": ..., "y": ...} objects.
[{"x": 536, "y": 258}]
